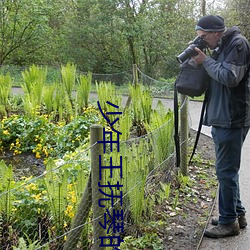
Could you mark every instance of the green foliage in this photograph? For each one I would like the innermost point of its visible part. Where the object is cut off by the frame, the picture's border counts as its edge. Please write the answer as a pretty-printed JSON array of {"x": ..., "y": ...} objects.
[
  {"x": 161, "y": 126},
  {"x": 165, "y": 190},
  {"x": 43, "y": 137},
  {"x": 30, "y": 245},
  {"x": 23, "y": 25},
  {"x": 68, "y": 74},
  {"x": 6, "y": 184},
  {"x": 136, "y": 159},
  {"x": 55, "y": 197},
  {"x": 103, "y": 36},
  {"x": 5, "y": 91},
  {"x": 141, "y": 109},
  {"x": 83, "y": 91},
  {"x": 48, "y": 98},
  {"x": 30, "y": 206},
  {"x": 125, "y": 124},
  {"x": 56, "y": 183},
  {"x": 33, "y": 85},
  {"x": 106, "y": 92},
  {"x": 147, "y": 241}
]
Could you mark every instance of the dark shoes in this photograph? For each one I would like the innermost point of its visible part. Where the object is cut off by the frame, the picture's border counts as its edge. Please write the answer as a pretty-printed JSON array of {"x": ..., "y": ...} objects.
[
  {"x": 221, "y": 231},
  {"x": 241, "y": 219}
]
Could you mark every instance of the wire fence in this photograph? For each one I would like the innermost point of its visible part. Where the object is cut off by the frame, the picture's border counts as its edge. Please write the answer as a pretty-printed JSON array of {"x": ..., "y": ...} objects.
[
  {"x": 57, "y": 209},
  {"x": 158, "y": 87}
]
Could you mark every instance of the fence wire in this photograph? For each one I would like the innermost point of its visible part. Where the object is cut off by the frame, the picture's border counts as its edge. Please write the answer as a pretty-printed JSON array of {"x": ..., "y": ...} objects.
[{"x": 44, "y": 211}]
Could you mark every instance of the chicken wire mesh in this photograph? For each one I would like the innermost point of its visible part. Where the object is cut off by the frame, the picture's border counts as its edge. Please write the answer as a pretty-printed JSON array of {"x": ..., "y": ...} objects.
[{"x": 55, "y": 210}]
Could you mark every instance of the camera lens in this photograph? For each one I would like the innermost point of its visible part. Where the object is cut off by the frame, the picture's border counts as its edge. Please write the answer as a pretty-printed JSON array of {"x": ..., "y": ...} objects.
[{"x": 187, "y": 53}]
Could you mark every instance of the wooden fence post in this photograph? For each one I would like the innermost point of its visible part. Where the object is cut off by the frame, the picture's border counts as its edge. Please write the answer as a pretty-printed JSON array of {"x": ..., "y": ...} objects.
[
  {"x": 135, "y": 74},
  {"x": 135, "y": 82},
  {"x": 80, "y": 218},
  {"x": 96, "y": 134}
]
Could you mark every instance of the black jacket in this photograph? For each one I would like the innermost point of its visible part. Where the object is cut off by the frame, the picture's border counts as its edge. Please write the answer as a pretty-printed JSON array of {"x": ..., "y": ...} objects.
[{"x": 229, "y": 90}]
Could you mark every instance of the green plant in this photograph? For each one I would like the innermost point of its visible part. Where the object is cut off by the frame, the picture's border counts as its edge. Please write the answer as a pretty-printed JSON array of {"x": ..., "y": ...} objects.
[
  {"x": 135, "y": 168},
  {"x": 34, "y": 81},
  {"x": 124, "y": 125},
  {"x": 30, "y": 208},
  {"x": 176, "y": 199},
  {"x": 28, "y": 244},
  {"x": 184, "y": 181},
  {"x": 147, "y": 241},
  {"x": 161, "y": 128},
  {"x": 83, "y": 91},
  {"x": 5, "y": 90},
  {"x": 141, "y": 109},
  {"x": 68, "y": 74},
  {"x": 56, "y": 187},
  {"x": 42, "y": 136},
  {"x": 106, "y": 92},
  {"x": 48, "y": 98},
  {"x": 6, "y": 196},
  {"x": 165, "y": 190}
]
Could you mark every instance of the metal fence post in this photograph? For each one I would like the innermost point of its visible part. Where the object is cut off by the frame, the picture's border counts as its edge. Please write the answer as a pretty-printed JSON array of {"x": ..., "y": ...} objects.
[
  {"x": 184, "y": 135},
  {"x": 96, "y": 134}
]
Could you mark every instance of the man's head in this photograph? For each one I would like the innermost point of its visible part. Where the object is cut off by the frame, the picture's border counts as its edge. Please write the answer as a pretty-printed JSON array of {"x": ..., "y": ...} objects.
[{"x": 211, "y": 28}]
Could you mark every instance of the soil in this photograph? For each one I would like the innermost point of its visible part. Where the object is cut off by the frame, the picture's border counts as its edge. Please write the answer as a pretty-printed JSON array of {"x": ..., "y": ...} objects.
[
  {"x": 186, "y": 223},
  {"x": 25, "y": 164}
]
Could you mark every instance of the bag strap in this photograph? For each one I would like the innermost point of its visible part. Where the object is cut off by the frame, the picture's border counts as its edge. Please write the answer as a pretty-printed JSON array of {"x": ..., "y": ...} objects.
[
  {"x": 199, "y": 127},
  {"x": 176, "y": 126}
]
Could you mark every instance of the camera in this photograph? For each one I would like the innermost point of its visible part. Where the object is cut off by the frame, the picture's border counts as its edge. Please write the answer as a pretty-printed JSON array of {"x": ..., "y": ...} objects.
[{"x": 190, "y": 51}]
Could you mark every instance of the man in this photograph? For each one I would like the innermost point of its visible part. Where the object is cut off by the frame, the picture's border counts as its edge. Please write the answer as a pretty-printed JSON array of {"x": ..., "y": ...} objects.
[{"x": 228, "y": 112}]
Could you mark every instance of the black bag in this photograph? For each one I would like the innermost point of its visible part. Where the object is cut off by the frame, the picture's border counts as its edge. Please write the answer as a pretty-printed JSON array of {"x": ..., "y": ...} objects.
[{"x": 192, "y": 80}]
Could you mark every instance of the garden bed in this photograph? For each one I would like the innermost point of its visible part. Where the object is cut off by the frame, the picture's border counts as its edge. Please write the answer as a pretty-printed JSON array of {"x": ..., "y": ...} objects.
[{"x": 178, "y": 222}]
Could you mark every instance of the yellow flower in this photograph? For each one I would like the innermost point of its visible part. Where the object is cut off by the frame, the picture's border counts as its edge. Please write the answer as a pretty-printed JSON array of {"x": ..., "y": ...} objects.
[
  {"x": 14, "y": 209},
  {"x": 69, "y": 211},
  {"x": 6, "y": 132},
  {"x": 37, "y": 196},
  {"x": 73, "y": 199},
  {"x": 45, "y": 151},
  {"x": 31, "y": 187},
  {"x": 38, "y": 155}
]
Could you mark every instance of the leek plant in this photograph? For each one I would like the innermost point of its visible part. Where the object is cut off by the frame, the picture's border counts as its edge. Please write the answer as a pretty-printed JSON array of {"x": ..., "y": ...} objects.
[
  {"x": 136, "y": 168},
  {"x": 56, "y": 184},
  {"x": 68, "y": 74},
  {"x": 5, "y": 90},
  {"x": 6, "y": 204},
  {"x": 136, "y": 157},
  {"x": 107, "y": 93},
  {"x": 33, "y": 86},
  {"x": 48, "y": 98},
  {"x": 141, "y": 106},
  {"x": 83, "y": 91},
  {"x": 6, "y": 184},
  {"x": 124, "y": 124},
  {"x": 161, "y": 128},
  {"x": 62, "y": 106}
]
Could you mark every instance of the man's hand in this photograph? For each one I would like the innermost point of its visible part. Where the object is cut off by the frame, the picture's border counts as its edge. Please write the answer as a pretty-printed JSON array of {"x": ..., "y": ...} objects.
[{"x": 200, "y": 58}]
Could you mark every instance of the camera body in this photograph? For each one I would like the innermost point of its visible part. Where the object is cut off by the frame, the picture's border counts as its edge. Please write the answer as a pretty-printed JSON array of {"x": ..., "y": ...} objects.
[{"x": 190, "y": 51}]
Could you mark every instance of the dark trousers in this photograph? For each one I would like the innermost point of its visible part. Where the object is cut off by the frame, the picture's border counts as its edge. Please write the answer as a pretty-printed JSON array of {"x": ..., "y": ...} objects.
[{"x": 228, "y": 145}]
